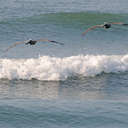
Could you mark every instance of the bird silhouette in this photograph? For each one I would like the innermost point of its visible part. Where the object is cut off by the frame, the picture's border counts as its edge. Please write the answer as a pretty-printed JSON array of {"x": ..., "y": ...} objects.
[
  {"x": 32, "y": 42},
  {"x": 105, "y": 26}
]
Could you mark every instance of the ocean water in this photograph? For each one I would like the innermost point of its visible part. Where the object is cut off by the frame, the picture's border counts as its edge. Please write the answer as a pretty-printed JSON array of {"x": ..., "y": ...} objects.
[{"x": 82, "y": 84}]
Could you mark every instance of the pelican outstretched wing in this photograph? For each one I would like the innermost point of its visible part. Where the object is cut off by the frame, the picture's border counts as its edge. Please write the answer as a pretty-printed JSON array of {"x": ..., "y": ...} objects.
[
  {"x": 14, "y": 45},
  {"x": 46, "y": 40},
  {"x": 120, "y": 23},
  {"x": 91, "y": 28}
]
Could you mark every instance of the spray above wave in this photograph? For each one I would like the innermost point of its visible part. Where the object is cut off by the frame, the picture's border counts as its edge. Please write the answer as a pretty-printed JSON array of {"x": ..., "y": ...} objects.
[{"x": 52, "y": 68}]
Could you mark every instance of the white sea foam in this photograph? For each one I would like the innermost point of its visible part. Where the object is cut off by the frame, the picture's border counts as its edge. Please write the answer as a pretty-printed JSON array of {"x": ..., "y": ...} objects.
[{"x": 52, "y": 68}]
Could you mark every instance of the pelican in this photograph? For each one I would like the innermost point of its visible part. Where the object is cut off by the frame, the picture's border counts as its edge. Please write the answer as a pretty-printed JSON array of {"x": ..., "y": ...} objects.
[
  {"x": 105, "y": 26},
  {"x": 32, "y": 42}
]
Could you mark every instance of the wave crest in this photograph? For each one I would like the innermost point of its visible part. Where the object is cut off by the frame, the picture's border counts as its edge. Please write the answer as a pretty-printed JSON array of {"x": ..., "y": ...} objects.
[{"x": 52, "y": 68}]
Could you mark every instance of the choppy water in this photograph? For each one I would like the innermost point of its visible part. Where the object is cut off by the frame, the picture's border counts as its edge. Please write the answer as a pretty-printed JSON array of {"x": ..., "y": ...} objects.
[{"x": 81, "y": 84}]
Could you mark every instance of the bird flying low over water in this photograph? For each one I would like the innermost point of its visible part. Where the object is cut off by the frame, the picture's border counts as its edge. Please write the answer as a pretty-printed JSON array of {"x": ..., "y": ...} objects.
[
  {"x": 105, "y": 26},
  {"x": 32, "y": 42}
]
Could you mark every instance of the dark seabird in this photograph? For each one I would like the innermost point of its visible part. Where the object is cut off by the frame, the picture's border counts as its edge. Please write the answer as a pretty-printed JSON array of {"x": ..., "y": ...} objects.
[
  {"x": 105, "y": 26},
  {"x": 32, "y": 42}
]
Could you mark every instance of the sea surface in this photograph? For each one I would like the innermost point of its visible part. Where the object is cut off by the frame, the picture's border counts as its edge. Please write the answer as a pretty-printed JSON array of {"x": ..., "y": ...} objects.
[{"x": 81, "y": 84}]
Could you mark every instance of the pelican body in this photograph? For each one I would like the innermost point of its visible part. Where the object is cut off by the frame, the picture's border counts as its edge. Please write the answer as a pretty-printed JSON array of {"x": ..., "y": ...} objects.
[
  {"x": 31, "y": 42},
  {"x": 107, "y": 25}
]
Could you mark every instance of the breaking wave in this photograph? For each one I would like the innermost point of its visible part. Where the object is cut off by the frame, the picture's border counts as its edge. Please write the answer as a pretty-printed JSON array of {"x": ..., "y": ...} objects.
[{"x": 52, "y": 68}]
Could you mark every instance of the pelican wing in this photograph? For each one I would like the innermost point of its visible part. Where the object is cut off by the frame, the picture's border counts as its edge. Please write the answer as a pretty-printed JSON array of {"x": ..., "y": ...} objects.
[
  {"x": 43, "y": 40},
  {"x": 93, "y": 27},
  {"x": 14, "y": 45},
  {"x": 46, "y": 40},
  {"x": 120, "y": 23}
]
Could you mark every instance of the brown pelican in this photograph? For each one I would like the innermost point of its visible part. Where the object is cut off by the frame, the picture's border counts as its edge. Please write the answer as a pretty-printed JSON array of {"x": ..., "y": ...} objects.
[
  {"x": 32, "y": 42},
  {"x": 105, "y": 26}
]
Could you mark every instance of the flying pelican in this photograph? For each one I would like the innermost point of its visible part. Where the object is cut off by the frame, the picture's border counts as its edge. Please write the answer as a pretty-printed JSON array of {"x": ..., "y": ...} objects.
[
  {"x": 32, "y": 42},
  {"x": 105, "y": 26}
]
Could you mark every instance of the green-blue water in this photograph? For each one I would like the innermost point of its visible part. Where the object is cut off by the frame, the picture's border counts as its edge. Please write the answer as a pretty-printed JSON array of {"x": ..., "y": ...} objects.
[{"x": 82, "y": 84}]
